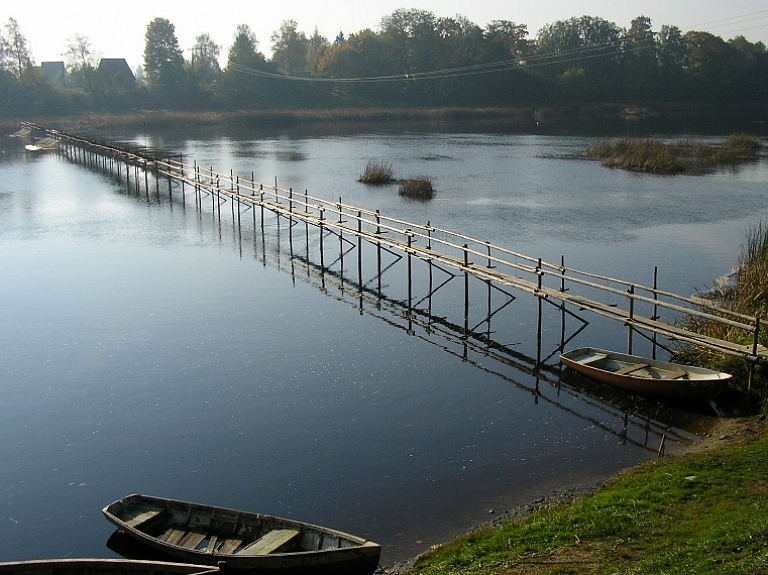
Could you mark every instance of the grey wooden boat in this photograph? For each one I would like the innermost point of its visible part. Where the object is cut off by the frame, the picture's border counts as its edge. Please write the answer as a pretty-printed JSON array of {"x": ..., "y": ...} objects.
[
  {"x": 643, "y": 375},
  {"x": 233, "y": 539},
  {"x": 103, "y": 567}
]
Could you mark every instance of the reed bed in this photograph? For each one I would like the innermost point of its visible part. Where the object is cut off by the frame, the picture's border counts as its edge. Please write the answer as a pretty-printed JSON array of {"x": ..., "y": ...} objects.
[
  {"x": 658, "y": 157},
  {"x": 749, "y": 296},
  {"x": 417, "y": 188},
  {"x": 378, "y": 173}
]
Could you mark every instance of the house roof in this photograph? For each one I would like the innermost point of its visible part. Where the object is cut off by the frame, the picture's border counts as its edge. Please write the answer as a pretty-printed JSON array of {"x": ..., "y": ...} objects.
[{"x": 114, "y": 66}]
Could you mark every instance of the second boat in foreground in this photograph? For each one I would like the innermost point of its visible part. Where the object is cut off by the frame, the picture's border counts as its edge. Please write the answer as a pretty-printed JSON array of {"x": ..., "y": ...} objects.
[{"x": 234, "y": 539}]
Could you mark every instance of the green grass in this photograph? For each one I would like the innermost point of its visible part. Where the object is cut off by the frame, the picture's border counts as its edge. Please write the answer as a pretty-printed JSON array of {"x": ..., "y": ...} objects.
[
  {"x": 657, "y": 157},
  {"x": 693, "y": 514}
]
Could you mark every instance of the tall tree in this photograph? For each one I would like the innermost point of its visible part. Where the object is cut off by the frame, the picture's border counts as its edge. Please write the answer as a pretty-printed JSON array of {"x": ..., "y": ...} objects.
[
  {"x": 317, "y": 44},
  {"x": 81, "y": 62},
  {"x": 244, "y": 46},
  {"x": 414, "y": 37},
  {"x": 163, "y": 59},
  {"x": 241, "y": 85},
  {"x": 79, "y": 54},
  {"x": 15, "y": 55},
  {"x": 640, "y": 59},
  {"x": 509, "y": 40},
  {"x": 204, "y": 65},
  {"x": 289, "y": 48}
]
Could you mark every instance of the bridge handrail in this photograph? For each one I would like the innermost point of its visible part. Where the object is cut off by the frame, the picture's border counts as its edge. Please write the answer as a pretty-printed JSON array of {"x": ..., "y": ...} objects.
[{"x": 382, "y": 224}]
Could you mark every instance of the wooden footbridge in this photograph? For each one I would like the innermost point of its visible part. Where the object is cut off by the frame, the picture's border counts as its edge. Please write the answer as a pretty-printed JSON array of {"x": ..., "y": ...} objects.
[{"x": 646, "y": 310}]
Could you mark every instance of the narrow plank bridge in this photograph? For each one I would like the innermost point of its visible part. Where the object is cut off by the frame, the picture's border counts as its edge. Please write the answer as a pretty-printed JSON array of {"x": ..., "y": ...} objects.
[{"x": 647, "y": 310}]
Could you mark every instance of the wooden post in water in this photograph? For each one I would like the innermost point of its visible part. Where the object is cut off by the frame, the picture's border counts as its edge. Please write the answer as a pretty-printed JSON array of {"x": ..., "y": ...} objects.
[
  {"x": 322, "y": 251},
  {"x": 539, "y": 275},
  {"x": 360, "y": 257},
  {"x": 655, "y": 309},
  {"x": 466, "y": 301},
  {"x": 409, "y": 235},
  {"x": 631, "y": 318},
  {"x": 238, "y": 202}
]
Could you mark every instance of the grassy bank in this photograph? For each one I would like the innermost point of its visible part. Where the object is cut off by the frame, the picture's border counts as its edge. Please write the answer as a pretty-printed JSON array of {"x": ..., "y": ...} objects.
[{"x": 704, "y": 512}]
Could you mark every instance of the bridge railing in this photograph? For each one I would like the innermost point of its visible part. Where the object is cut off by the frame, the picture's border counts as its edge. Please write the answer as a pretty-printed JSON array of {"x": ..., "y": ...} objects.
[{"x": 470, "y": 255}]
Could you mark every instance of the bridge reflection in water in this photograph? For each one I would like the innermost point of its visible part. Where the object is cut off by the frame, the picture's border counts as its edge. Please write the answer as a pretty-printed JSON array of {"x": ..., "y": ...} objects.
[{"x": 334, "y": 236}]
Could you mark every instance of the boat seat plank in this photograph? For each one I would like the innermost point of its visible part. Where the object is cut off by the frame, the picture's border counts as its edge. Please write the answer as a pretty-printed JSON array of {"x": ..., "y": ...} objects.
[
  {"x": 229, "y": 545},
  {"x": 143, "y": 517},
  {"x": 675, "y": 375},
  {"x": 192, "y": 539},
  {"x": 630, "y": 368},
  {"x": 212, "y": 544},
  {"x": 270, "y": 542},
  {"x": 173, "y": 535},
  {"x": 593, "y": 358}
]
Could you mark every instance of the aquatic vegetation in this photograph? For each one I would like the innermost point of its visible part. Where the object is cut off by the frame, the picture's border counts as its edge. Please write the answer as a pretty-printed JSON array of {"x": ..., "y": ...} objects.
[
  {"x": 377, "y": 172},
  {"x": 658, "y": 157},
  {"x": 417, "y": 188},
  {"x": 749, "y": 296}
]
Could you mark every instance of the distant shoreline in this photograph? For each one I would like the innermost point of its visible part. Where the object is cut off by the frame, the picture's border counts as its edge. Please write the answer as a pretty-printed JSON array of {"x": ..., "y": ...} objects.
[{"x": 514, "y": 118}]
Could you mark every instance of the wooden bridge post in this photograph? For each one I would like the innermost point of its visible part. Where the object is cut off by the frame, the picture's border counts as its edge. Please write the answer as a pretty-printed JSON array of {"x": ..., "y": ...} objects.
[
  {"x": 378, "y": 250},
  {"x": 232, "y": 191},
  {"x": 655, "y": 310},
  {"x": 341, "y": 248},
  {"x": 409, "y": 235},
  {"x": 631, "y": 318},
  {"x": 238, "y": 202},
  {"x": 539, "y": 297},
  {"x": 754, "y": 354},
  {"x": 322, "y": 251},
  {"x": 562, "y": 303},
  {"x": 253, "y": 205},
  {"x": 218, "y": 196},
  {"x": 360, "y": 256},
  {"x": 466, "y": 303}
]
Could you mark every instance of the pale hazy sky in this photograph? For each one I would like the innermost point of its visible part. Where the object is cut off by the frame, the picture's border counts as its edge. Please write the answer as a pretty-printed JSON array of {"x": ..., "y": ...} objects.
[{"x": 116, "y": 29}]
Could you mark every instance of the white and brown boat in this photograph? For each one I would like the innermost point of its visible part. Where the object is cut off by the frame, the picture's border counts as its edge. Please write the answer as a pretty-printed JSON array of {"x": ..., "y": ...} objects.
[
  {"x": 103, "y": 567},
  {"x": 233, "y": 539},
  {"x": 642, "y": 375}
]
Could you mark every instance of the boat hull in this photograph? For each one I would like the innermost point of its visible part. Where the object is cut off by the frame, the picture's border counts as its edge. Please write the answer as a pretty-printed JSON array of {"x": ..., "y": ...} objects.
[
  {"x": 102, "y": 567},
  {"x": 647, "y": 376},
  {"x": 228, "y": 538}
]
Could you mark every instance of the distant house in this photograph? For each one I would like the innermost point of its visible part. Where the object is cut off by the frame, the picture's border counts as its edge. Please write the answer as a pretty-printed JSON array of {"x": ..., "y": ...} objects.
[
  {"x": 115, "y": 72},
  {"x": 55, "y": 72}
]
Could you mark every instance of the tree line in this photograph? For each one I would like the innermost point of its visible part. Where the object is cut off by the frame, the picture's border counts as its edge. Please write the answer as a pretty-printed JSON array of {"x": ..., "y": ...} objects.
[{"x": 414, "y": 58}]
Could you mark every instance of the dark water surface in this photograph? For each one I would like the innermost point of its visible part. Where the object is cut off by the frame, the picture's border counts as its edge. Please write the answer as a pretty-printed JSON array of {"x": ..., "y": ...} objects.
[{"x": 148, "y": 347}]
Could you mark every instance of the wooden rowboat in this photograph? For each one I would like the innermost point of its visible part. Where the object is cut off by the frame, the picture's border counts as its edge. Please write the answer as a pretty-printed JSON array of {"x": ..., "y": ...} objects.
[
  {"x": 642, "y": 375},
  {"x": 241, "y": 540},
  {"x": 102, "y": 567}
]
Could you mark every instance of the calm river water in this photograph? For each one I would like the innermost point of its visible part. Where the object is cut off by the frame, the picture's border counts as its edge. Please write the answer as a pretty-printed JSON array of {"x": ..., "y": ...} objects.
[{"x": 148, "y": 347}]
